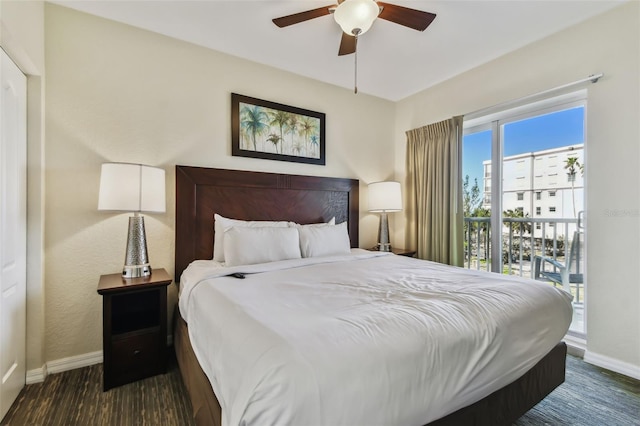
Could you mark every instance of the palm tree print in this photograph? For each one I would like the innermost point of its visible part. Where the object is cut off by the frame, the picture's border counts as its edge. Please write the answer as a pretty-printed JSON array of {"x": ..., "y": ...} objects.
[
  {"x": 253, "y": 119},
  {"x": 297, "y": 148},
  {"x": 292, "y": 125},
  {"x": 307, "y": 127},
  {"x": 265, "y": 129},
  {"x": 274, "y": 139},
  {"x": 280, "y": 119},
  {"x": 314, "y": 142}
]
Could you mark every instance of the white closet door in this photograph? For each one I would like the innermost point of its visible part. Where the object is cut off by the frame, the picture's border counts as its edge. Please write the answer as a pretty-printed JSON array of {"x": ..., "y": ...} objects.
[{"x": 13, "y": 230}]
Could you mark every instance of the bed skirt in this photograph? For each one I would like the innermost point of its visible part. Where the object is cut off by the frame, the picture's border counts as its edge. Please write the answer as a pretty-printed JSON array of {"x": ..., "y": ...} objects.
[{"x": 502, "y": 407}]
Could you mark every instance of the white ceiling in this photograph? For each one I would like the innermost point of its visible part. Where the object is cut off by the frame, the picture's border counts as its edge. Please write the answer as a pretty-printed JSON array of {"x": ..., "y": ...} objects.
[{"x": 393, "y": 61}]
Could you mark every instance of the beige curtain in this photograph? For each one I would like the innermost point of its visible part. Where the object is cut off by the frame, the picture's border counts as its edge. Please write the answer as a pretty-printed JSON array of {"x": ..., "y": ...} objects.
[{"x": 434, "y": 191}]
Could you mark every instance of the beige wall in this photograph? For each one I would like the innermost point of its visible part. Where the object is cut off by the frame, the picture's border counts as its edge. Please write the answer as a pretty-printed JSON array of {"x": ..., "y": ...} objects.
[
  {"x": 116, "y": 93},
  {"x": 114, "y": 90},
  {"x": 609, "y": 43},
  {"x": 22, "y": 37}
]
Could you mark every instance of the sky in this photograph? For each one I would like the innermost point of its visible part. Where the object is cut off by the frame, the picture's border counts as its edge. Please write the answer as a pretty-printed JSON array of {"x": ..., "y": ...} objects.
[{"x": 553, "y": 130}]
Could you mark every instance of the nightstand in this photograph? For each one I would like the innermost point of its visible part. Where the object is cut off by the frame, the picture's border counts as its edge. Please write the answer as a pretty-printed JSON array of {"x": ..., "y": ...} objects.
[
  {"x": 398, "y": 251},
  {"x": 134, "y": 327},
  {"x": 403, "y": 252}
]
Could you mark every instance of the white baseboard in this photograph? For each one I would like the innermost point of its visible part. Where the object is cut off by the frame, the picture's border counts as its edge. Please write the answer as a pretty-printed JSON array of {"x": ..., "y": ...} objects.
[
  {"x": 65, "y": 364},
  {"x": 73, "y": 362},
  {"x": 36, "y": 375},
  {"x": 576, "y": 346},
  {"x": 612, "y": 364}
]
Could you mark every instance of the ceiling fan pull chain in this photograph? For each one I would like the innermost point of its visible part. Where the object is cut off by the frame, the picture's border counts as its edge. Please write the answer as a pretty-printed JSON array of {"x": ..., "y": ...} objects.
[
  {"x": 355, "y": 32},
  {"x": 355, "y": 68}
]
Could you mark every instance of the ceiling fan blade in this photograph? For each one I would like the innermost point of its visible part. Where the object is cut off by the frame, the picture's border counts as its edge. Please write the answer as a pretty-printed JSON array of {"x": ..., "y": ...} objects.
[
  {"x": 296, "y": 18},
  {"x": 347, "y": 44},
  {"x": 412, "y": 18}
]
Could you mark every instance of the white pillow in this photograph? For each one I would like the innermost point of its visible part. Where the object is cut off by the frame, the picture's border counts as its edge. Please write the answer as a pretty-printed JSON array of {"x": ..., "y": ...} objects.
[
  {"x": 324, "y": 240},
  {"x": 221, "y": 224},
  {"x": 245, "y": 245},
  {"x": 332, "y": 221}
]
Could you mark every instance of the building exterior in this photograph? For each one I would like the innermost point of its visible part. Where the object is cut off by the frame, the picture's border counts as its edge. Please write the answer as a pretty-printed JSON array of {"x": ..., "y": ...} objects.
[{"x": 538, "y": 184}]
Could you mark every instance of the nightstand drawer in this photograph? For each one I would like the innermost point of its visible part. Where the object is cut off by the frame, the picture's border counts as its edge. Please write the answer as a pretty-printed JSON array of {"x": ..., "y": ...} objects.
[{"x": 135, "y": 356}]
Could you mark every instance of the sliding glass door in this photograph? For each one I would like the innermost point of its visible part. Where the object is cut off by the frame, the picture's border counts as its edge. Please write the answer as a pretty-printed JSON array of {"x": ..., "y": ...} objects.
[{"x": 524, "y": 195}]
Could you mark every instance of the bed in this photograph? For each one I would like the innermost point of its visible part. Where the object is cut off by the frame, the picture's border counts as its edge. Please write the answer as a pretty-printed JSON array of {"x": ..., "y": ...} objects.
[{"x": 201, "y": 192}]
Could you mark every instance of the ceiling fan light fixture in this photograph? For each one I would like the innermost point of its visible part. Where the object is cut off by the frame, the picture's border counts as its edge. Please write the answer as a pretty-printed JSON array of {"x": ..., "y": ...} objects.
[{"x": 355, "y": 17}]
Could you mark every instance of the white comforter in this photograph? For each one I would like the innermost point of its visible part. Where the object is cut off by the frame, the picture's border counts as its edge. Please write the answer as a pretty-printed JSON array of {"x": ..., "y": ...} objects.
[{"x": 364, "y": 339}]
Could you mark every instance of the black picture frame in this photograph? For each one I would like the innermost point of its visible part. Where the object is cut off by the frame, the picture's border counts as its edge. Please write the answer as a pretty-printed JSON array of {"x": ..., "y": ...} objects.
[{"x": 282, "y": 132}]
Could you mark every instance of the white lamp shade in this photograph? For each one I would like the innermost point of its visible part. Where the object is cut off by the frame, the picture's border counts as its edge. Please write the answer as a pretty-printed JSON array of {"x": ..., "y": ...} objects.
[
  {"x": 132, "y": 188},
  {"x": 385, "y": 197},
  {"x": 356, "y": 14}
]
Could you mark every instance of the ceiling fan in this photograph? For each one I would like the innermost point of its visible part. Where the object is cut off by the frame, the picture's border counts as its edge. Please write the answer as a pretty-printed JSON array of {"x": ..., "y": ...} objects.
[{"x": 355, "y": 17}]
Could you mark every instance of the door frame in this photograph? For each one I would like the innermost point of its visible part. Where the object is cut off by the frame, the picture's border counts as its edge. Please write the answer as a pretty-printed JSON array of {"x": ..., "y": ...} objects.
[{"x": 13, "y": 294}]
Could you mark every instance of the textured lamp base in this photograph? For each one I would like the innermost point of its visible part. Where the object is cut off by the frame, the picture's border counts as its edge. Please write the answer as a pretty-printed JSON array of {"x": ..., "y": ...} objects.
[
  {"x": 384, "y": 247},
  {"x": 136, "y": 271},
  {"x": 136, "y": 261},
  {"x": 383, "y": 234}
]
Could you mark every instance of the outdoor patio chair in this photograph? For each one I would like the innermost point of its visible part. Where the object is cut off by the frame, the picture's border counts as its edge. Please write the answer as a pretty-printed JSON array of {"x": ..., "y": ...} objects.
[{"x": 565, "y": 274}]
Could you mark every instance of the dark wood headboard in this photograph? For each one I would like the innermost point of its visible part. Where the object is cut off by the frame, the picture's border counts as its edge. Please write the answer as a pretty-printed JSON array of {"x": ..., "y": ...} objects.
[{"x": 201, "y": 192}]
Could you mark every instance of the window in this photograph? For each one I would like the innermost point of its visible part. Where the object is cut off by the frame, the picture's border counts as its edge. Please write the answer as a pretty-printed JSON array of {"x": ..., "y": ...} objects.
[
  {"x": 538, "y": 195},
  {"x": 538, "y": 226},
  {"x": 571, "y": 177},
  {"x": 520, "y": 209},
  {"x": 552, "y": 209},
  {"x": 520, "y": 196},
  {"x": 538, "y": 211},
  {"x": 552, "y": 193}
]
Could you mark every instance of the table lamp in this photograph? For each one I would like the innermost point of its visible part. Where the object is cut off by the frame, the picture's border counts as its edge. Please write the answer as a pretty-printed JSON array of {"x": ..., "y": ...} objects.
[
  {"x": 384, "y": 197},
  {"x": 133, "y": 188}
]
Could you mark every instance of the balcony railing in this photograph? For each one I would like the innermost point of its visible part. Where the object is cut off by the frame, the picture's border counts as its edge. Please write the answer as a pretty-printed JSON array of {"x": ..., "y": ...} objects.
[{"x": 522, "y": 240}]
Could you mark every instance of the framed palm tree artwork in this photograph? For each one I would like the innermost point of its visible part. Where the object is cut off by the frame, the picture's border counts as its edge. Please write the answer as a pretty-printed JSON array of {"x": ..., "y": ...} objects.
[{"x": 273, "y": 131}]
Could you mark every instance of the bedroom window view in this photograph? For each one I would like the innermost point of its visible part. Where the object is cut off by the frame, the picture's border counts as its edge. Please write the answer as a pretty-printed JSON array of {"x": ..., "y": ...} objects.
[{"x": 540, "y": 200}]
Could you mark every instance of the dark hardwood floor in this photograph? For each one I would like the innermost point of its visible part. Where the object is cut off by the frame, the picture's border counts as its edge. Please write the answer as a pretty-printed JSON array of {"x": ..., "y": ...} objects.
[
  {"x": 76, "y": 398},
  {"x": 590, "y": 397}
]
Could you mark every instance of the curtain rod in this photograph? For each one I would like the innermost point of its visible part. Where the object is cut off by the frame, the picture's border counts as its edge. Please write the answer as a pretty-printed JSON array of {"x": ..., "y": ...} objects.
[{"x": 504, "y": 105}]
